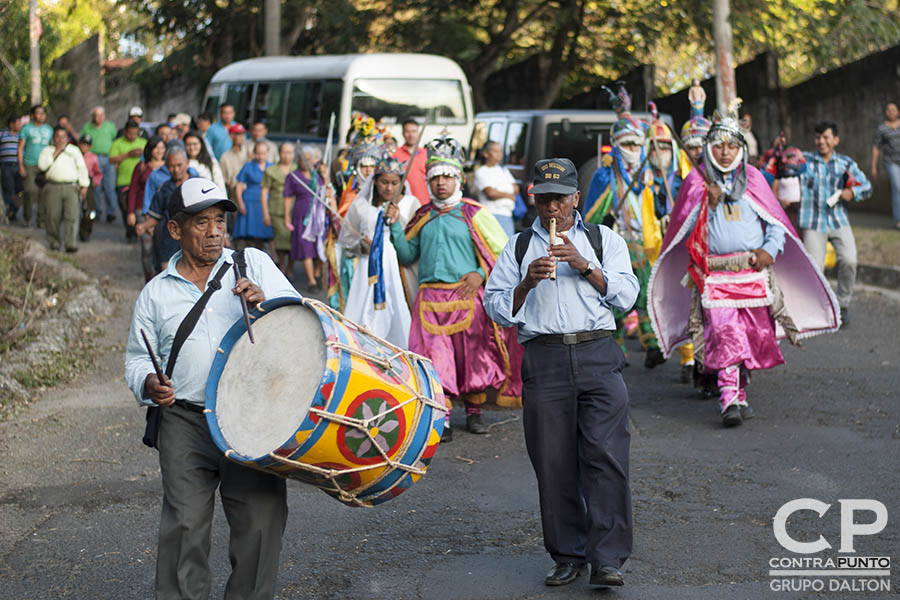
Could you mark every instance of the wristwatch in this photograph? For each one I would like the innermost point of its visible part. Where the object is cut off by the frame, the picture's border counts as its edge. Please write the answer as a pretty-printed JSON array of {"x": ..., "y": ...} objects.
[{"x": 590, "y": 269}]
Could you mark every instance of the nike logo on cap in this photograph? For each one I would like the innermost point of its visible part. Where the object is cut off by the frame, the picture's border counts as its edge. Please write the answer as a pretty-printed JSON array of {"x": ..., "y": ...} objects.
[{"x": 207, "y": 191}]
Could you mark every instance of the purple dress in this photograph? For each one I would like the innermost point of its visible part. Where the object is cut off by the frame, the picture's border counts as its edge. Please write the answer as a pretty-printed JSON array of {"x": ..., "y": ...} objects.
[{"x": 300, "y": 248}]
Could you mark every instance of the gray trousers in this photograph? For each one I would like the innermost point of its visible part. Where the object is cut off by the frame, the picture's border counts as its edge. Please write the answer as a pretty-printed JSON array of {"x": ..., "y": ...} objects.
[
  {"x": 845, "y": 248},
  {"x": 62, "y": 205},
  {"x": 255, "y": 505},
  {"x": 575, "y": 413},
  {"x": 33, "y": 196}
]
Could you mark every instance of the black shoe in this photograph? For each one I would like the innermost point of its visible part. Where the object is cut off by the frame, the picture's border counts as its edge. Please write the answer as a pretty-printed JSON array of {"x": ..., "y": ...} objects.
[
  {"x": 654, "y": 357},
  {"x": 110, "y": 218},
  {"x": 732, "y": 416},
  {"x": 687, "y": 373},
  {"x": 607, "y": 576},
  {"x": 746, "y": 412},
  {"x": 845, "y": 317},
  {"x": 71, "y": 250},
  {"x": 474, "y": 424},
  {"x": 447, "y": 436},
  {"x": 563, "y": 574}
]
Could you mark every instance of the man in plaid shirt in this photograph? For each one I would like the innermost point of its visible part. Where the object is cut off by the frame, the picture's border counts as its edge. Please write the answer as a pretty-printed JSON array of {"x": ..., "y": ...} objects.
[{"x": 831, "y": 180}]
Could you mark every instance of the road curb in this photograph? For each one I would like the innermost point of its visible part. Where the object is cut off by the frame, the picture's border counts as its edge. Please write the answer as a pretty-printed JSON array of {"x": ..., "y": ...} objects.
[{"x": 878, "y": 276}]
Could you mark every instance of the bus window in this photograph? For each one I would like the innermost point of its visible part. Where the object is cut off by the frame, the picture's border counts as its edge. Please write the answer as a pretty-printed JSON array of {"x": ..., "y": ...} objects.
[
  {"x": 441, "y": 101},
  {"x": 332, "y": 90},
  {"x": 303, "y": 108},
  {"x": 516, "y": 138},
  {"x": 269, "y": 105},
  {"x": 239, "y": 95}
]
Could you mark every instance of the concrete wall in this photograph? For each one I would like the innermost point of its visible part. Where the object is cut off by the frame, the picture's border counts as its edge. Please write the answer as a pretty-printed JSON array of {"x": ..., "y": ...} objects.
[
  {"x": 116, "y": 91},
  {"x": 853, "y": 96}
]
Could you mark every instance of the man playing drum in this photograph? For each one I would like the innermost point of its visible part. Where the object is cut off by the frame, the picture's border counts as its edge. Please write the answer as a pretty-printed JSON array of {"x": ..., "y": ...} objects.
[
  {"x": 560, "y": 293},
  {"x": 191, "y": 465}
]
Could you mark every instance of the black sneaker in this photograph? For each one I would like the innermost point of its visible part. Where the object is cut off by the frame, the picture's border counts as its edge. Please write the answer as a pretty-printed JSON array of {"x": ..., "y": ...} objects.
[
  {"x": 732, "y": 416},
  {"x": 687, "y": 373},
  {"x": 654, "y": 358},
  {"x": 747, "y": 412},
  {"x": 845, "y": 317},
  {"x": 475, "y": 424},
  {"x": 447, "y": 436}
]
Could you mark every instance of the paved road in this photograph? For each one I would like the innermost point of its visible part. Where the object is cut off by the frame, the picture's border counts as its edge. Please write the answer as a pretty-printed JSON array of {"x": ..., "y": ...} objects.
[{"x": 80, "y": 495}]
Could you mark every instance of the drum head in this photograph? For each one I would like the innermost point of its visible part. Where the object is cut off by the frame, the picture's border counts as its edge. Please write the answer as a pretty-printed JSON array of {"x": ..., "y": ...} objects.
[{"x": 266, "y": 388}]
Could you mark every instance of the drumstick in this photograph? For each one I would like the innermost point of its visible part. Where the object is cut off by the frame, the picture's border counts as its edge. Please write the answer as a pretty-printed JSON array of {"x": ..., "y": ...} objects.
[
  {"x": 237, "y": 275},
  {"x": 159, "y": 373},
  {"x": 552, "y": 242}
]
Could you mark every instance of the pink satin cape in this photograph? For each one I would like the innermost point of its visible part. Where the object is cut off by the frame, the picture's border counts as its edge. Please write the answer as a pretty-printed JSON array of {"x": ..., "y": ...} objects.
[{"x": 807, "y": 296}]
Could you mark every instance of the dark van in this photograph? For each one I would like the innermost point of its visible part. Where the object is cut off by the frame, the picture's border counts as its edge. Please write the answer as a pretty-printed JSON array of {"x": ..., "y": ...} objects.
[{"x": 530, "y": 135}]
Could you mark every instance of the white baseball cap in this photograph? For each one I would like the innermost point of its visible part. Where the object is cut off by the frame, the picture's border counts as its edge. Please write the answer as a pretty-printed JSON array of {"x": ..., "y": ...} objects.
[
  {"x": 135, "y": 111},
  {"x": 197, "y": 194}
]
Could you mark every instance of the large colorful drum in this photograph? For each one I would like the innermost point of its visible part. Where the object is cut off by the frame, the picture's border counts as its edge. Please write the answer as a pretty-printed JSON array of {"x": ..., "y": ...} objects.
[{"x": 320, "y": 399}]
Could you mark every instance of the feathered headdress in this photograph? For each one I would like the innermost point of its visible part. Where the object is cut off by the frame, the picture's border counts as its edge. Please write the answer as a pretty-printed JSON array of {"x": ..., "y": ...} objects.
[{"x": 626, "y": 127}]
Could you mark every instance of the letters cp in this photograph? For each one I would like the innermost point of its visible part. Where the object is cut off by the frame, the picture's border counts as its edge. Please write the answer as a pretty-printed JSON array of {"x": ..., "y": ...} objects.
[{"x": 849, "y": 529}]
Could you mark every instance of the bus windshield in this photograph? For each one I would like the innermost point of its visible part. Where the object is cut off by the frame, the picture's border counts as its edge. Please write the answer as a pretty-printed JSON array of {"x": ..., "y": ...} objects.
[{"x": 394, "y": 100}]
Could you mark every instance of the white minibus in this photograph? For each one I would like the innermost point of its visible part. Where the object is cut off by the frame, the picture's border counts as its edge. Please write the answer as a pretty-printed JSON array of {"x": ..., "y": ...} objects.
[{"x": 295, "y": 95}]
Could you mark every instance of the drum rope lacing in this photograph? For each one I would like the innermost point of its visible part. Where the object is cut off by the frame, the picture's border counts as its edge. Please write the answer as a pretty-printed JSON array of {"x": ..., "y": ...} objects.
[{"x": 364, "y": 425}]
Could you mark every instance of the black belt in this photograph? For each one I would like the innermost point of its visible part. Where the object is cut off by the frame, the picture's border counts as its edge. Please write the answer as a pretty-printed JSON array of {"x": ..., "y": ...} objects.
[
  {"x": 189, "y": 406},
  {"x": 63, "y": 182},
  {"x": 573, "y": 338}
]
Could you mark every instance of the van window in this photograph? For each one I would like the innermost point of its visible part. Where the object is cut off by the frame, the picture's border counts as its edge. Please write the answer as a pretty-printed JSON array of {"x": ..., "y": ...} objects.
[
  {"x": 239, "y": 95},
  {"x": 476, "y": 143},
  {"x": 269, "y": 105},
  {"x": 516, "y": 143},
  {"x": 395, "y": 100},
  {"x": 579, "y": 143}
]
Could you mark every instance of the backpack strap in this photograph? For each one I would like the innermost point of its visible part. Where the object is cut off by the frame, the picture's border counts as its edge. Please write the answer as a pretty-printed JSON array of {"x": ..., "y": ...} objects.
[
  {"x": 595, "y": 235},
  {"x": 523, "y": 239}
]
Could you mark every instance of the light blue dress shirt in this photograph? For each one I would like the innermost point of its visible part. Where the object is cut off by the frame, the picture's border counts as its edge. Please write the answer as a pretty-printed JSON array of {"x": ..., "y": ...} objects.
[
  {"x": 569, "y": 304},
  {"x": 163, "y": 304}
]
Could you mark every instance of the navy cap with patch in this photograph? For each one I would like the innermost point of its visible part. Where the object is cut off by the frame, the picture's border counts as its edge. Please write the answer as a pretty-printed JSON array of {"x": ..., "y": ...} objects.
[
  {"x": 555, "y": 176},
  {"x": 197, "y": 194}
]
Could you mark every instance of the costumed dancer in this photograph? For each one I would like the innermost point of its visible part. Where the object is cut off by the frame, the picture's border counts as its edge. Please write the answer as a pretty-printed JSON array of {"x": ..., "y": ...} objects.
[
  {"x": 782, "y": 165},
  {"x": 376, "y": 297},
  {"x": 736, "y": 300},
  {"x": 620, "y": 193},
  {"x": 456, "y": 242}
]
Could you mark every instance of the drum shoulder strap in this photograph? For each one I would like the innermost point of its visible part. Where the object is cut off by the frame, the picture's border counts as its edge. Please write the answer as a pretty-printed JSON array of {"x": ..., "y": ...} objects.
[{"x": 190, "y": 320}]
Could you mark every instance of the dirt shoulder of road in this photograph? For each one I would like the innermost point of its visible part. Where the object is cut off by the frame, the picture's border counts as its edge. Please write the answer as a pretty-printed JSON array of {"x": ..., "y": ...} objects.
[{"x": 49, "y": 316}]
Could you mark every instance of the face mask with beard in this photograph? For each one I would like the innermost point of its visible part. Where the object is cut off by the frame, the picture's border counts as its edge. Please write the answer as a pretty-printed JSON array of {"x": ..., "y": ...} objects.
[
  {"x": 632, "y": 158},
  {"x": 661, "y": 159}
]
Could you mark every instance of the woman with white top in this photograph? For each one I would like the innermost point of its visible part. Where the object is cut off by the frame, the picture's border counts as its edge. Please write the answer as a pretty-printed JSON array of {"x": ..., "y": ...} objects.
[
  {"x": 496, "y": 187},
  {"x": 201, "y": 160}
]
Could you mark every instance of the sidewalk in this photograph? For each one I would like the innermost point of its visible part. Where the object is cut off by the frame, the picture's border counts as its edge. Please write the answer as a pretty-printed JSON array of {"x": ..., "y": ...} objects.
[{"x": 878, "y": 250}]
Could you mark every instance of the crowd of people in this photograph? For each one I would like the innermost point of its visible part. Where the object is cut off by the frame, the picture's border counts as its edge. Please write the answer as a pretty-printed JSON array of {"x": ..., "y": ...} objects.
[{"x": 682, "y": 241}]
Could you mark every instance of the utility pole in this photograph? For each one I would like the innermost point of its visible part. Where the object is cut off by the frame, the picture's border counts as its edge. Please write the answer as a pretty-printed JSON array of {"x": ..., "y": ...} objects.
[
  {"x": 273, "y": 27},
  {"x": 35, "y": 57},
  {"x": 726, "y": 90}
]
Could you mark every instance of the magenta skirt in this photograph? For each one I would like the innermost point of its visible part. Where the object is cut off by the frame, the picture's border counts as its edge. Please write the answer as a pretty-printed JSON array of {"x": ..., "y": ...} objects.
[
  {"x": 470, "y": 352},
  {"x": 735, "y": 336}
]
